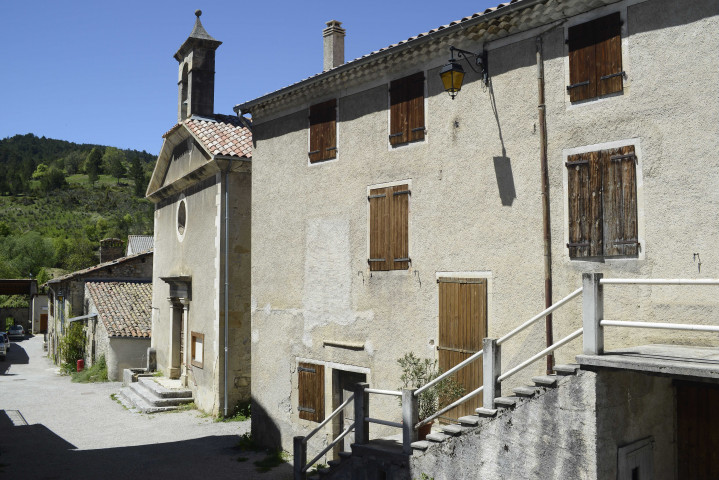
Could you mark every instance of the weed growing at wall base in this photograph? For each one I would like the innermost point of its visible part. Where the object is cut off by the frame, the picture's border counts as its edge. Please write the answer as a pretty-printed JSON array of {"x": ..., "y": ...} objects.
[{"x": 96, "y": 373}]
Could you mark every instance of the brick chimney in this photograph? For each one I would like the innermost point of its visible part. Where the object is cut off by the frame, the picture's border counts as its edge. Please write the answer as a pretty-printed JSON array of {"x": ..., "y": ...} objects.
[{"x": 334, "y": 43}]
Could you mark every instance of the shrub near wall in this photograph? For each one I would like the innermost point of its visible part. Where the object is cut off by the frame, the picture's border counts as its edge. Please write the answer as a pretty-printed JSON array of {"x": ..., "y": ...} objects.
[{"x": 72, "y": 346}]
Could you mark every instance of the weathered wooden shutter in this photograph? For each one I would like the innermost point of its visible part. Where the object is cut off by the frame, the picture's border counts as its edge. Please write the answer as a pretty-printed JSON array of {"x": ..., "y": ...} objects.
[
  {"x": 311, "y": 385},
  {"x": 608, "y": 54},
  {"x": 323, "y": 131},
  {"x": 582, "y": 64},
  {"x": 399, "y": 227},
  {"x": 620, "y": 201},
  {"x": 407, "y": 109},
  {"x": 595, "y": 58},
  {"x": 585, "y": 205},
  {"x": 379, "y": 218}
]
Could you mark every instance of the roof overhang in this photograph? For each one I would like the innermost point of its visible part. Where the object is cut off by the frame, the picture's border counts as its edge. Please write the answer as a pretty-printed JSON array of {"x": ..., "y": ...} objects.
[{"x": 18, "y": 286}]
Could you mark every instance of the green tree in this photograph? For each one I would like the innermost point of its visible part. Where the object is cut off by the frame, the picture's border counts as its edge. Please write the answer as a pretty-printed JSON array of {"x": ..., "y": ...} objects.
[
  {"x": 72, "y": 345},
  {"x": 28, "y": 253},
  {"x": 81, "y": 254},
  {"x": 39, "y": 172},
  {"x": 93, "y": 164},
  {"x": 112, "y": 162},
  {"x": 53, "y": 180},
  {"x": 137, "y": 174}
]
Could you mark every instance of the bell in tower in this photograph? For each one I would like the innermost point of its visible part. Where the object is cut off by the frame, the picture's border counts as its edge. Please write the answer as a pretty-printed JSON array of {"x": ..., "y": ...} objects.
[{"x": 196, "y": 92}]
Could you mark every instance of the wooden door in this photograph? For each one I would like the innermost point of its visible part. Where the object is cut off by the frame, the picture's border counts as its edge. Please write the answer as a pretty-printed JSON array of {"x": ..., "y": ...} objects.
[
  {"x": 462, "y": 327},
  {"x": 43, "y": 322},
  {"x": 697, "y": 427}
]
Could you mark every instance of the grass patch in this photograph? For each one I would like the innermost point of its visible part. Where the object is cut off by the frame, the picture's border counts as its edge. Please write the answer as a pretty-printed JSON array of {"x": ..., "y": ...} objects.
[
  {"x": 246, "y": 443},
  {"x": 96, "y": 373},
  {"x": 272, "y": 460},
  {"x": 114, "y": 397},
  {"x": 241, "y": 413}
]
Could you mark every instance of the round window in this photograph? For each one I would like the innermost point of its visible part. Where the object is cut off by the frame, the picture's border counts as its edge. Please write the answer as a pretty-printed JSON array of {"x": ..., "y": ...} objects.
[{"x": 181, "y": 218}]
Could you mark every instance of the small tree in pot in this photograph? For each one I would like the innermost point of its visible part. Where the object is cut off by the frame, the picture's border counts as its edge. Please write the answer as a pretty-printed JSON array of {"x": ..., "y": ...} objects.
[{"x": 418, "y": 372}]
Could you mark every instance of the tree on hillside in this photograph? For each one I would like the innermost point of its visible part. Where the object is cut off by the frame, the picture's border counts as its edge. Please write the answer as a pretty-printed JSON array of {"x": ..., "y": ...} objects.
[
  {"x": 92, "y": 165},
  {"x": 54, "y": 179},
  {"x": 28, "y": 253},
  {"x": 137, "y": 174},
  {"x": 112, "y": 162}
]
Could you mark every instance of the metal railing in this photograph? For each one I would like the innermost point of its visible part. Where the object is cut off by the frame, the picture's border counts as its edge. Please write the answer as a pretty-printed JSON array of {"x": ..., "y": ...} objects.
[{"x": 592, "y": 331}]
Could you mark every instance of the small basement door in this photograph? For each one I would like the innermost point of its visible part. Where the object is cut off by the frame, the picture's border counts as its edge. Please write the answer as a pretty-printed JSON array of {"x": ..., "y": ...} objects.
[{"x": 462, "y": 327}]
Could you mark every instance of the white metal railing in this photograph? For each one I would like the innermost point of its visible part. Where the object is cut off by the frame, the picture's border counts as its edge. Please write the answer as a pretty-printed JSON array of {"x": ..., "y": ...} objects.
[
  {"x": 329, "y": 447},
  {"x": 383, "y": 392}
]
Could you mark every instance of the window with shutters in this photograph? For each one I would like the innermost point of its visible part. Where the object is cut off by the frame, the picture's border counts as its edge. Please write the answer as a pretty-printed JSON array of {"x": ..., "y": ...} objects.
[
  {"x": 323, "y": 131},
  {"x": 406, "y": 99},
  {"x": 389, "y": 228},
  {"x": 602, "y": 203},
  {"x": 595, "y": 58},
  {"x": 311, "y": 386}
]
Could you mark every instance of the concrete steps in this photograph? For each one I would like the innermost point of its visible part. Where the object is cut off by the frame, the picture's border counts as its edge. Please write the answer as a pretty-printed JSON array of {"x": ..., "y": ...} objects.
[{"x": 148, "y": 396}]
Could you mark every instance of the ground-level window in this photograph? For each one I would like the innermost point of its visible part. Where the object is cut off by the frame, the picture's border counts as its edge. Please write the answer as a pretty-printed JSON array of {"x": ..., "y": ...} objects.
[
  {"x": 602, "y": 196},
  {"x": 389, "y": 228},
  {"x": 311, "y": 386},
  {"x": 197, "y": 348}
]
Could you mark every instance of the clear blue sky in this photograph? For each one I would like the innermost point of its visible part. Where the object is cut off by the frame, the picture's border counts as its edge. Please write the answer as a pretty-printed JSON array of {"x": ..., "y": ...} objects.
[{"x": 103, "y": 72}]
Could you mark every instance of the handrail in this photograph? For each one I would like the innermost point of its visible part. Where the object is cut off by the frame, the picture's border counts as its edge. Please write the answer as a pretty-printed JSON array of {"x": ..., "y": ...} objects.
[
  {"x": 330, "y": 446},
  {"x": 667, "y": 326},
  {"x": 450, "y": 407},
  {"x": 383, "y": 392},
  {"x": 536, "y": 357},
  {"x": 383, "y": 422},
  {"x": 449, "y": 372},
  {"x": 659, "y": 281},
  {"x": 544, "y": 313},
  {"x": 331, "y": 416}
]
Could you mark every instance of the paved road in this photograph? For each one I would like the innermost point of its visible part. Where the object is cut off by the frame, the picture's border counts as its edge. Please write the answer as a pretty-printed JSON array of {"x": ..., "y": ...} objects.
[{"x": 51, "y": 428}]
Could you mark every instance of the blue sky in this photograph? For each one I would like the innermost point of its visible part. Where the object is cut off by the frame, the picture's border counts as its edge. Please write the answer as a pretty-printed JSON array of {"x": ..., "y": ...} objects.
[{"x": 103, "y": 72}]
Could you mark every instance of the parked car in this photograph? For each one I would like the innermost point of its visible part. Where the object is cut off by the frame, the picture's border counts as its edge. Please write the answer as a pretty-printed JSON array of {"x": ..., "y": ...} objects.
[
  {"x": 4, "y": 342},
  {"x": 16, "y": 331}
]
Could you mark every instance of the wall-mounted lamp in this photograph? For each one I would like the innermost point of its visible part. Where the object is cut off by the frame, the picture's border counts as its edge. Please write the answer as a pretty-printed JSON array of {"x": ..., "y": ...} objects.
[{"x": 452, "y": 74}]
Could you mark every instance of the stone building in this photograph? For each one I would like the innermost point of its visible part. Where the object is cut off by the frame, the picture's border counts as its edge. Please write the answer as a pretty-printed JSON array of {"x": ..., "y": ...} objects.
[
  {"x": 201, "y": 190},
  {"x": 392, "y": 218},
  {"x": 66, "y": 294},
  {"x": 119, "y": 322}
]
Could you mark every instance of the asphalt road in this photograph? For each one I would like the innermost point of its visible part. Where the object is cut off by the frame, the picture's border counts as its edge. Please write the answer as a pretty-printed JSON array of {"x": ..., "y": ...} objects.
[{"x": 51, "y": 428}]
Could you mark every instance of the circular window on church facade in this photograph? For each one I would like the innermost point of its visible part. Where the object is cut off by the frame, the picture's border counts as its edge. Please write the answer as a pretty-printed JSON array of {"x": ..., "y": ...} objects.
[{"x": 181, "y": 219}]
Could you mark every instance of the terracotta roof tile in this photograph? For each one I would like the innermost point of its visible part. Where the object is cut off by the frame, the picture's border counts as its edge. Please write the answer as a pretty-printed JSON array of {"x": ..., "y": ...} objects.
[
  {"x": 100, "y": 266},
  {"x": 125, "y": 308},
  {"x": 222, "y": 135}
]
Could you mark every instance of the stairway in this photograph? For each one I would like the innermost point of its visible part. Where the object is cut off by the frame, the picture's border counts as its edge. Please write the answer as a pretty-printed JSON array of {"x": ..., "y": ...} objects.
[{"x": 147, "y": 395}]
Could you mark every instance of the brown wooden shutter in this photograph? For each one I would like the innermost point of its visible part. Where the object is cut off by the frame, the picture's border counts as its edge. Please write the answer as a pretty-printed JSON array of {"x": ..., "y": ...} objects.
[
  {"x": 584, "y": 206},
  {"x": 323, "y": 131},
  {"x": 379, "y": 220},
  {"x": 407, "y": 109},
  {"x": 311, "y": 385},
  {"x": 608, "y": 54},
  {"x": 399, "y": 227},
  {"x": 620, "y": 201},
  {"x": 582, "y": 65}
]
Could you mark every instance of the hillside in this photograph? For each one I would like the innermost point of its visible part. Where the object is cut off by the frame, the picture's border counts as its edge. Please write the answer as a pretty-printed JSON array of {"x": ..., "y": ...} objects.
[{"x": 58, "y": 199}]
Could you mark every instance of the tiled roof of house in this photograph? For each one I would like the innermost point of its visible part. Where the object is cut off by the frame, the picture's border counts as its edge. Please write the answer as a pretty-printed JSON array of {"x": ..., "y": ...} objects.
[
  {"x": 139, "y": 243},
  {"x": 94, "y": 268},
  {"x": 220, "y": 135},
  {"x": 124, "y": 308}
]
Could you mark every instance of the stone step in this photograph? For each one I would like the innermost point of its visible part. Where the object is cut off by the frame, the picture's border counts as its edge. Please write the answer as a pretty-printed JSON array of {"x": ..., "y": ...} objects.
[
  {"x": 163, "y": 392},
  {"x": 525, "y": 391},
  {"x": 566, "y": 369},
  {"x": 420, "y": 445},
  {"x": 133, "y": 401},
  {"x": 324, "y": 471},
  {"x": 437, "y": 437},
  {"x": 452, "y": 430},
  {"x": 505, "y": 402},
  {"x": 333, "y": 463},
  {"x": 469, "y": 420},
  {"x": 545, "y": 380},
  {"x": 486, "y": 412},
  {"x": 345, "y": 455},
  {"x": 151, "y": 398}
]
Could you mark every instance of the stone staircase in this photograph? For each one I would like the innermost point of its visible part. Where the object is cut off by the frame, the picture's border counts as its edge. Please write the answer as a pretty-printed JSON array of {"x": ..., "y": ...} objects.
[
  {"x": 383, "y": 458},
  {"x": 154, "y": 394}
]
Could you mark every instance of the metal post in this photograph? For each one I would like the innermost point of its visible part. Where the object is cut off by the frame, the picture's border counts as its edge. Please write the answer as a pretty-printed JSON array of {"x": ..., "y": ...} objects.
[
  {"x": 491, "y": 370},
  {"x": 410, "y": 418},
  {"x": 592, "y": 313},
  {"x": 300, "y": 460},
  {"x": 361, "y": 412}
]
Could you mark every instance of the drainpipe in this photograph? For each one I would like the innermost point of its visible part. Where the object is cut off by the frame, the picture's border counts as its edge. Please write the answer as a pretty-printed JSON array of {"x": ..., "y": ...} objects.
[
  {"x": 542, "y": 110},
  {"x": 227, "y": 282}
]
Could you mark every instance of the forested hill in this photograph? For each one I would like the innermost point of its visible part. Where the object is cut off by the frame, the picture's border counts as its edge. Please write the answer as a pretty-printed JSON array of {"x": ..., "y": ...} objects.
[{"x": 58, "y": 199}]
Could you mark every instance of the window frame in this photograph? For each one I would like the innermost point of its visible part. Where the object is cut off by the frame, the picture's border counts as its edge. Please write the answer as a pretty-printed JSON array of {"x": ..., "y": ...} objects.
[
  {"x": 194, "y": 336},
  {"x": 397, "y": 197},
  {"x": 407, "y": 118}
]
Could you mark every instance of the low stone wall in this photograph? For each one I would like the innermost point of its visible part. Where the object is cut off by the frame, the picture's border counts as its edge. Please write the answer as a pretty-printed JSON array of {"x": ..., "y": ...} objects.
[{"x": 21, "y": 316}]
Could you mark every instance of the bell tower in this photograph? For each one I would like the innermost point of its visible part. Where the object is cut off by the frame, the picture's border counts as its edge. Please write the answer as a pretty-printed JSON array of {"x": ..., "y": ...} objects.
[{"x": 196, "y": 85}]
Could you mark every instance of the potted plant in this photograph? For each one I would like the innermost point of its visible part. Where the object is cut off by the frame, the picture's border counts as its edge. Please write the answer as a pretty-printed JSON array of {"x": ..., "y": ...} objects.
[{"x": 418, "y": 372}]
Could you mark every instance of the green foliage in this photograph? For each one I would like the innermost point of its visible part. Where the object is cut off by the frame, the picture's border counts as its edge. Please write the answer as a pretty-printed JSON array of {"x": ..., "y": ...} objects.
[
  {"x": 9, "y": 322},
  {"x": 93, "y": 164},
  {"x": 272, "y": 459},
  {"x": 54, "y": 179},
  {"x": 240, "y": 414},
  {"x": 14, "y": 301},
  {"x": 417, "y": 373},
  {"x": 247, "y": 443},
  {"x": 96, "y": 373},
  {"x": 72, "y": 344},
  {"x": 4, "y": 229},
  {"x": 112, "y": 162},
  {"x": 40, "y": 171},
  {"x": 25, "y": 255},
  {"x": 137, "y": 174}
]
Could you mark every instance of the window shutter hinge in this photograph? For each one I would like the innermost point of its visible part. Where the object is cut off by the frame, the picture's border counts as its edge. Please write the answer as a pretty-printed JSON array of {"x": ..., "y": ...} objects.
[
  {"x": 576, "y": 85},
  {"x": 305, "y": 369},
  {"x": 370, "y": 260},
  {"x": 612, "y": 75},
  {"x": 393, "y": 135},
  {"x": 381, "y": 195},
  {"x": 402, "y": 260},
  {"x": 402, "y": 192},
  {"x": 305, "y": 409}
]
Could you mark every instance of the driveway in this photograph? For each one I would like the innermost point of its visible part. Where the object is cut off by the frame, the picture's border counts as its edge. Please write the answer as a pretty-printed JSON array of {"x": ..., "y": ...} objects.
[{"x": 51, "y": 428}]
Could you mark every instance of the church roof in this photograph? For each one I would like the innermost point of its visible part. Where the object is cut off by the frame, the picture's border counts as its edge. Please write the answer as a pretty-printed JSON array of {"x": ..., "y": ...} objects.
[
  {"x": 226, "y": 135},
  {"x": 199, "y": 31}
]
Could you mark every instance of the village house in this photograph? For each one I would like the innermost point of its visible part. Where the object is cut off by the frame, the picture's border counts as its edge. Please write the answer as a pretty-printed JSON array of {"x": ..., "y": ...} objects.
[
  {"x": 393, "y": 217},
  {"x": 201, "y": 190}
]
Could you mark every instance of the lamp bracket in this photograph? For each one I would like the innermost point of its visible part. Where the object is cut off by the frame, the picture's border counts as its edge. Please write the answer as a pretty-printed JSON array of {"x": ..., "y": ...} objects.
[{"x": 480, "y": 60}]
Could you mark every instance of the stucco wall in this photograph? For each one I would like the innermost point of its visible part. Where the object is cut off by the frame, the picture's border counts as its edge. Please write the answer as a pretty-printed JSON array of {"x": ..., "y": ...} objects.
[
  {"x": 125, "y": 352},
  {"x": 476, "y": 207}
]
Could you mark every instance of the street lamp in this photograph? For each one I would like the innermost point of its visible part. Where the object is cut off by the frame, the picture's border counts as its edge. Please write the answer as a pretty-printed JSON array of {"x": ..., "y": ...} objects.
[{"x": 452, "y": 74}]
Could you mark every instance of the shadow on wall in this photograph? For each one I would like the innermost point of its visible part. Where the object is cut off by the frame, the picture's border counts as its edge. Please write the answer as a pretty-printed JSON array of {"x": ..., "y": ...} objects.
[
  {"x": 505, "y": 180},
  {"x": 264, "y": 430}
]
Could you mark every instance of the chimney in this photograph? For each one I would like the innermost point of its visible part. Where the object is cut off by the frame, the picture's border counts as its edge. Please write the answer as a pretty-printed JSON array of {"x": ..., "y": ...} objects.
[{"x": 334, "y": 42}]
